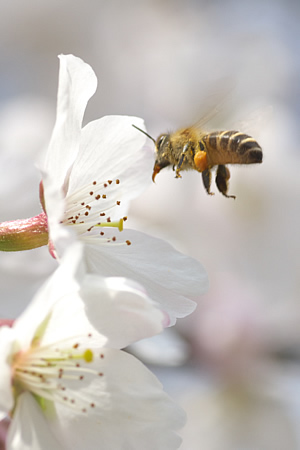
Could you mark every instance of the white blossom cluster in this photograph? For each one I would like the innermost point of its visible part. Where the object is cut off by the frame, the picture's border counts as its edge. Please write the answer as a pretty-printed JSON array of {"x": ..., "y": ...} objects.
[{"x": 65, "y": 382}]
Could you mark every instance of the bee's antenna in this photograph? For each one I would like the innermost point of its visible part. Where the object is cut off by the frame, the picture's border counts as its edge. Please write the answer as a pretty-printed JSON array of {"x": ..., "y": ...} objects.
[{"x": 142, "y": 131}]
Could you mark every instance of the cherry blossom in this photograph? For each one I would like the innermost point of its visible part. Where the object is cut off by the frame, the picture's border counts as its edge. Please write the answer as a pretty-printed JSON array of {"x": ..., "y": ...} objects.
[
  {"x": 89, "y": 177},
  {"x": 64, "y": 380}
]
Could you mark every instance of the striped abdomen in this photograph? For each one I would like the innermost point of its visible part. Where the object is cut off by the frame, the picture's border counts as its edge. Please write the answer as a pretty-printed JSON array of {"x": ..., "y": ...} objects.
[{"x": 231, "y": 147}]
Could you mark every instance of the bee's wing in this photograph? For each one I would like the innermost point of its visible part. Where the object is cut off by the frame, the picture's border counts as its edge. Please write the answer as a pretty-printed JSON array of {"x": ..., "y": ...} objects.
[
  {"x": 207, "y": 117},
  {"x": 215, "y": 105},
  {"x": 254, "y": 122}
]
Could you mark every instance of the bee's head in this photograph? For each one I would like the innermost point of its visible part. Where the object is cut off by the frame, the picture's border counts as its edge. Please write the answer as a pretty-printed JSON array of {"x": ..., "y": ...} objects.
[
  {"x": 161, "y": 147},
  {"x": 162, "y": 144}
]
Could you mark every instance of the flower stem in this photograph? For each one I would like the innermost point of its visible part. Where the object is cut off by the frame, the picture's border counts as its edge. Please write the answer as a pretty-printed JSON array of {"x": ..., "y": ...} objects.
[{"x": 24, "y": 234}]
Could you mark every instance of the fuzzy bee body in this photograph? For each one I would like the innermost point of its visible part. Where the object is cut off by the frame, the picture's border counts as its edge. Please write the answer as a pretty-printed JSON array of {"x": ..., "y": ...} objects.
[
  {"x": 192, "y": 149},
  {"x": 231, "y": 147}
]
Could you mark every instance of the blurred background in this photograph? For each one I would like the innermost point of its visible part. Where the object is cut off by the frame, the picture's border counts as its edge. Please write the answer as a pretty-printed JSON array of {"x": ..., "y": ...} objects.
[{"x": 234, "y": 364}]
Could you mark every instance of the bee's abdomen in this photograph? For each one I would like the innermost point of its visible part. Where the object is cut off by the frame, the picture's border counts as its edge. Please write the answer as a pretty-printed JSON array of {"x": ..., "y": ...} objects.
[{"x": 232, "y": 147}]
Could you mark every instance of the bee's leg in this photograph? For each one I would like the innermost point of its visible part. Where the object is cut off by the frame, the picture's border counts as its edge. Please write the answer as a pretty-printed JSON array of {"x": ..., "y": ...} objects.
[
  {"x": 222, "y": 178},
  {"x": 181, "y": 160},
  {"x": 206, "y": 178}
]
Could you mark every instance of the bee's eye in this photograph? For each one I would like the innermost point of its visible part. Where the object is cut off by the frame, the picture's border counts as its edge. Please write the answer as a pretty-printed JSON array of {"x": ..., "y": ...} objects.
[{"x": 161, "y": 140}]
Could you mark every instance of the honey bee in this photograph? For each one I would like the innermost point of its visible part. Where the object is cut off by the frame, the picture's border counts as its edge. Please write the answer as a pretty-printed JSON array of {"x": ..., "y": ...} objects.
[{"x": 193, "y": 149}]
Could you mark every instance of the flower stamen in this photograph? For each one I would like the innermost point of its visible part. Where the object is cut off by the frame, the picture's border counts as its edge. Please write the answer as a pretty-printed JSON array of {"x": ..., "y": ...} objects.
[
  {"x": 84, "y": 208},
  {"x": 42, "y": 370}
]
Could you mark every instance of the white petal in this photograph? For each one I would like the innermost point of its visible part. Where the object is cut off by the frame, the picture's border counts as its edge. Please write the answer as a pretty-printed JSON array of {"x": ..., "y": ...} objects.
[
  {"x": 64, "y": 281},
  {"x": 61, "y": 236},
  {"x": 29, "y": 429},
  {"x": 169, "y": 277},
  {"x": 104, "y": 312},
  {"x": 114, "y": 311},
  {"x": 111, "y": 148},
  {"x": 77, "y": 83},
  {"x": 69, "y": 325},
  {"x": 120, "y": 310},
  {"x": 127, "y": 409},
  {"x": 7, "y": 337}
]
